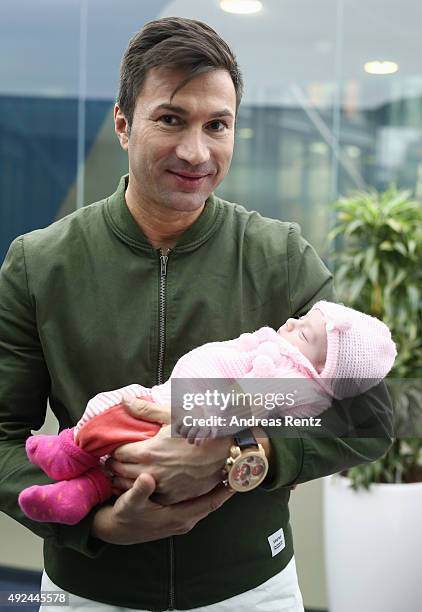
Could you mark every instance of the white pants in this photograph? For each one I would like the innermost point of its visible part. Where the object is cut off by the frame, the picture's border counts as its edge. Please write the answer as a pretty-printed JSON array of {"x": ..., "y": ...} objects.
[{"x": 278, "y": 594}]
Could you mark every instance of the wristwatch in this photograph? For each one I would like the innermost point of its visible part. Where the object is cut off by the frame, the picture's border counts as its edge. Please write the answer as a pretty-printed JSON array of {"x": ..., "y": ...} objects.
[{"x": 247, "y": 465}]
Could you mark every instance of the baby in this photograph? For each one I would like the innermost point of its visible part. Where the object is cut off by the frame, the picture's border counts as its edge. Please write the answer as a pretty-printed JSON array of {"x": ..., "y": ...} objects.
[{"x": 344, "y": 351}]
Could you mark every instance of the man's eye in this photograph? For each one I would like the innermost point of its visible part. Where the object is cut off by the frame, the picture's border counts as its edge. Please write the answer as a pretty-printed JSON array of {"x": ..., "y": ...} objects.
[
  {"x": 217, "y": 126},
  {"x": 169, "y": 120}
]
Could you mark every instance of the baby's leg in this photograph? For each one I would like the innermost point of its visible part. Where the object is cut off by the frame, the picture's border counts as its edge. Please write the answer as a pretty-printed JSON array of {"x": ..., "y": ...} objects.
[
  {"x": 62, "y": 456},
  {"x": 59, "y": 456},
  {"x": 106, "y": 400},
  {"x": 67, "y": 501}
]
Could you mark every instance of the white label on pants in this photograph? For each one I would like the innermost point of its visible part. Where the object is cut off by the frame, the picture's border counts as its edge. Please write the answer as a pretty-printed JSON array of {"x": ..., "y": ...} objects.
[{"x": 277, "y": 542}]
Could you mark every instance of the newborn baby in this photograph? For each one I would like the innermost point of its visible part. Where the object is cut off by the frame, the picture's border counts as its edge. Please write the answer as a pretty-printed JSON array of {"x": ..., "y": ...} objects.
[{"x": 344, "y": 351}]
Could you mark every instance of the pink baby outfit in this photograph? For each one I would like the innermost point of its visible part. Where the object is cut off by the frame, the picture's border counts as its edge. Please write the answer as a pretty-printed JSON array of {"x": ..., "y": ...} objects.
[
  {"x": 73, "y": 456},
  {"x": 360, "y": 350}
]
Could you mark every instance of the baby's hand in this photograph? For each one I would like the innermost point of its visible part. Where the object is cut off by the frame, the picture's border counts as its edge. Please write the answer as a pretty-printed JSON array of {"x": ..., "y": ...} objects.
[
  {"x": 202, "y": 426},
  {"x": 198, "y": 423},
  {"x": 195, "y": 433}
]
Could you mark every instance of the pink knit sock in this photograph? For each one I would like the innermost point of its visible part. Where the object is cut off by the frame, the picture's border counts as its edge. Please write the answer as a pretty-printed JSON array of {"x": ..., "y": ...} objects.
[
  {"x": 58, "y": 456},
  {"x": 67, "y": 501}
]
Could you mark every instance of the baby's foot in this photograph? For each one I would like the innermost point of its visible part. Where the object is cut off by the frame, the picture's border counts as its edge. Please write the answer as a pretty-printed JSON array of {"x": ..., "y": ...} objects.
[
  {"x": 68, "y": 501},
  {"x": 58, "y": 456}
]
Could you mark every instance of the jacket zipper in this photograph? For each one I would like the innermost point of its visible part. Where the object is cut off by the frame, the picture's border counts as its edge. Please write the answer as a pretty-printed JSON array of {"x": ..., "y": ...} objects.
[
  {"x": 162, "y": 322},
  {"x": 160, "y": 369},
  {"x": 171, "y": 577}
]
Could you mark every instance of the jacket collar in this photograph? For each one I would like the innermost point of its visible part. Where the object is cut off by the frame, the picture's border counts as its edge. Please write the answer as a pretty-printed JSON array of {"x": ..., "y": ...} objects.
[{"x": 125, "y": 227}]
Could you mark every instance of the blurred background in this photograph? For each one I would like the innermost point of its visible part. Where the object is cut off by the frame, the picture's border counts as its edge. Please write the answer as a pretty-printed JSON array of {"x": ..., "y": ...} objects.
[{"x": 333, "y": 103}]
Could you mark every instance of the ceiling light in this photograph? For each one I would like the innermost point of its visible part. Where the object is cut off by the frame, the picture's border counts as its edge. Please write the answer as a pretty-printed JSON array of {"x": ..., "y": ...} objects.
[
  {"x": 381, "y": 67},
  {"x": 243, "y": 7}
]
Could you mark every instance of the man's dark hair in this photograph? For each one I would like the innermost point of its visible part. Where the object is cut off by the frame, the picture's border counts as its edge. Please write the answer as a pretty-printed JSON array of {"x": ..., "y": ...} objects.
[{"x": 178, "y": 42}]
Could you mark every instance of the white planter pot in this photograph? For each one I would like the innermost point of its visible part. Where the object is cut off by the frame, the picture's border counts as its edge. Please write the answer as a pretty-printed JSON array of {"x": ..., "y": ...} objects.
[{"x": 373, "y": 547}]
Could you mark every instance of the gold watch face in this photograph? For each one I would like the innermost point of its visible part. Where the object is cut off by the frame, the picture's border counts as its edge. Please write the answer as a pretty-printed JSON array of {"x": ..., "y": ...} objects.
[{"x": 248, "y": 471}]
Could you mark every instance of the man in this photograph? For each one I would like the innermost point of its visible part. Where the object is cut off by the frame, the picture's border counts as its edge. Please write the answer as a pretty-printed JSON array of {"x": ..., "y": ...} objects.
[{"x": 115, "y": 294}]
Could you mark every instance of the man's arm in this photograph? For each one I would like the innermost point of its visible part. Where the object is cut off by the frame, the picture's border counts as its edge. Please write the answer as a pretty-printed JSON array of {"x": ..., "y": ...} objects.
[
  {"x": 24, "y": 389},
  {"x": 181, "y": 473},
  {"x": 358, "y": 430},
  {"x": 353, "y": 432}
]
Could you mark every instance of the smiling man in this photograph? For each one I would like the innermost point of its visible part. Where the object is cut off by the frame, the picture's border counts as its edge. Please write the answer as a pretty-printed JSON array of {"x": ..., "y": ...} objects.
[
  {"x": 180, "y": 145},
  {"x": 114, "y": 294}
]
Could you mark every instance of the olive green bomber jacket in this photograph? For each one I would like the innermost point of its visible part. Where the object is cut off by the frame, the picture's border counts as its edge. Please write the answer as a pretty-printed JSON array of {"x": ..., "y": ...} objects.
[{"x": 87, "y": 305}]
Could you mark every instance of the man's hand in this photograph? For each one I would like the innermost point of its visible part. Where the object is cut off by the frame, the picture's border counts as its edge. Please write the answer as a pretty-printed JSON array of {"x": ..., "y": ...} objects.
[
  {"x": 134, "y": 518},
  {"x": 147, "y": 411},
  {"x": 182, "y": 471}
]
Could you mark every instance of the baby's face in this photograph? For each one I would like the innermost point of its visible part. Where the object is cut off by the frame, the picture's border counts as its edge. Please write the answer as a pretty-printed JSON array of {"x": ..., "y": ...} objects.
[{"x": 309, "y": 335}]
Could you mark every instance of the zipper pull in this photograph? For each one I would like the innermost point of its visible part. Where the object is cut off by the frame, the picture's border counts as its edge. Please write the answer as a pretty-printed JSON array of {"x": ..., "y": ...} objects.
[
  {"x": 163, "y": 264},
  {"x": 164, "y": 255}
]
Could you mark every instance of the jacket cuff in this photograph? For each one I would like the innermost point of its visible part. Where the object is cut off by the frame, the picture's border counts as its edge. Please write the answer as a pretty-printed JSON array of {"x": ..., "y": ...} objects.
[
  {"x": 79, "y": 537},
  {"x": 285, "y": 463}
]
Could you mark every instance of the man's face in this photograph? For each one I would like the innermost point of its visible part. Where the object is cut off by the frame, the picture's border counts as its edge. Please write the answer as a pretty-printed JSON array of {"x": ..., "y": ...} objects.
[{"x": 180, "y": 149}]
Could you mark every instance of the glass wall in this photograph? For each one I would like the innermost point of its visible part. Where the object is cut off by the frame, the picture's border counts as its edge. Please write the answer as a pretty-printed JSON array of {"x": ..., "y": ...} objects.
[
  {"x": 313, "y": 123},
  {"x": 38, "y": 116},
  {"x": 58, "y": 79}
]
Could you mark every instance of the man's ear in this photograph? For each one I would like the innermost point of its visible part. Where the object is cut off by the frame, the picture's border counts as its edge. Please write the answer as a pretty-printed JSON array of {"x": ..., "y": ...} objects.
[{"x": 121, "y": 127}]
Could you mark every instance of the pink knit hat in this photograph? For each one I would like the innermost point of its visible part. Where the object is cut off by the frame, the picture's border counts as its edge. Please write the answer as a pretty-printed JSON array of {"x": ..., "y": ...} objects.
[{"x": 360, "y": 350}]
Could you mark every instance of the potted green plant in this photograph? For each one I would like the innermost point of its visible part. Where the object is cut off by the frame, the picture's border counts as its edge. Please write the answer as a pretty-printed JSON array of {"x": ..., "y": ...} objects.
[{"x": 372, "y": 512}]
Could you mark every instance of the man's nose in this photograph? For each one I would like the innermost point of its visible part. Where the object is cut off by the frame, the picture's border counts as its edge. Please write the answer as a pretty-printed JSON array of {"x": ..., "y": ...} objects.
[{"x": 193, "y": 148}]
